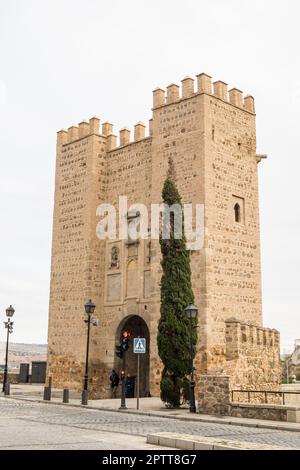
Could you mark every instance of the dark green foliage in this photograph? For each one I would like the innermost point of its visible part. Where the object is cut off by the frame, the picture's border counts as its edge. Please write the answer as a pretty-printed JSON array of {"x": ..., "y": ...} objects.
[
  {"x": 170, "y": 390},
  {"x": 186, "y": 389},
  {"x": 176, "y": 293},
  {"x": 174, "y": 390}
]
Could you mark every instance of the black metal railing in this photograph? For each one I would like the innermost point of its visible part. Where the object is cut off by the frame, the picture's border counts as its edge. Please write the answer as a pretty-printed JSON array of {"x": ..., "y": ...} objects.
[{"x": 264, "y": 393}]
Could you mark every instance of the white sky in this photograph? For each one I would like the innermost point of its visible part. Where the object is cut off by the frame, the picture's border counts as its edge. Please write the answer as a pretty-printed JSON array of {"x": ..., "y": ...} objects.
[{"x": 65, "y": 60}]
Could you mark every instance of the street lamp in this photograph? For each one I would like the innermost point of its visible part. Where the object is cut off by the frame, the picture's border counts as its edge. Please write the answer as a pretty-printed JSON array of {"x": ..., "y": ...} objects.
[
  {"x": 191, "y": 313},
  {"x": 89, "y": 310},
  {"x": 9, "y": 325}
]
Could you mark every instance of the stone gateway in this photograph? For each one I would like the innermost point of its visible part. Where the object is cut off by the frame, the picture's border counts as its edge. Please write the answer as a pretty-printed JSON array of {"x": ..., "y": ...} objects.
[{"x": 209, "y": 134}]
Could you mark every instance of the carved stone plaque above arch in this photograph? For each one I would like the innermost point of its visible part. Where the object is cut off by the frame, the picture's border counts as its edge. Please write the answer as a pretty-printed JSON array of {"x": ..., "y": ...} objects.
[
  {"x": 132, "y": 287},
  {"x": 115, "y": 257}
]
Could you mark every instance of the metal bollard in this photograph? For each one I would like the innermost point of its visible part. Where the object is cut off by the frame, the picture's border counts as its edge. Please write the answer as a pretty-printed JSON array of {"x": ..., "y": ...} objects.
[
  {"x": 66, "y": 395},
  {"x": 47, "y": 393},
  {"x": 47, "y": 390}
]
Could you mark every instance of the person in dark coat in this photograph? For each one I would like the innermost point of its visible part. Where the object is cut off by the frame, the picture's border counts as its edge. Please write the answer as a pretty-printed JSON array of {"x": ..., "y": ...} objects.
[
  {"x": 129, "y": 386},
  {"x": 114, "y": 382}
]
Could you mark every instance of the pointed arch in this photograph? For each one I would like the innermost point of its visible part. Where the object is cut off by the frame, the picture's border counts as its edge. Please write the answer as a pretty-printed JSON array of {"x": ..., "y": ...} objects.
[{"x": 137, "y": 327}]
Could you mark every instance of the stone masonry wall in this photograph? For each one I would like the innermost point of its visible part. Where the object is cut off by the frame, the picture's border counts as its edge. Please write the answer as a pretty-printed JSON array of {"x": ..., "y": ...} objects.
[
  {"x": 77, "y": 254},
  {"x": 267, "y": 412},
  {"x": 214, "y": 395},
  {"x": 233, "y": 279},
  {"x": 252, "y": 363},
  {"x": 253, "y": 356},
  {"x": 178, "y": 138},
  {"x": 128, "y": 174},
  {"x": 215, "y": 399}
]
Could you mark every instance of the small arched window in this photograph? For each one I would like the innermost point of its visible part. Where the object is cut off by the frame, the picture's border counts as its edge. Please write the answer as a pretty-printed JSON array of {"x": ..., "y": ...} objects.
[{"x": 237, "y": 213}]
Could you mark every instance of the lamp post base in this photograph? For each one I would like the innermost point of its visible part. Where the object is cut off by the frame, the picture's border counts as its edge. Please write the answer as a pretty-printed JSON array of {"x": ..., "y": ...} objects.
[
  {"x": 192, "y": 397},
  {"x": 4, "y": 379},
  {"x": 123, "y": 391},
  {"x": 84, "y": 397},
  {"x": 7, "y": 388},
  {"x": 123, "y": 400}
]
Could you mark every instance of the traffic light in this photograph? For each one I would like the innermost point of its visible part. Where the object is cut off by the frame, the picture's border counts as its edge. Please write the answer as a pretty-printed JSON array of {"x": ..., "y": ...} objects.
[
  {"x": 125, "y": 343},
  {"x": 119, "y": 351},
  {"x": 123, "y": 346}
]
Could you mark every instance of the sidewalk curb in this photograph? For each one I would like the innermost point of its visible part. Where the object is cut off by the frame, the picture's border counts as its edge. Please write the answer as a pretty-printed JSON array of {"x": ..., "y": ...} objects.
[
  {"x": 281, "y": 426},
  {"x": 189, "y": 442}
]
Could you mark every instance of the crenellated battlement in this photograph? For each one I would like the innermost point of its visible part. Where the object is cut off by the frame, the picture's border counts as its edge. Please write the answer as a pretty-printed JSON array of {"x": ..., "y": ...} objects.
[
  {"x": 92, "y": 127},
  {"x": 244, "y": 336},
  {"x": 107, "y": 128},
  {"x": 83, "y": 129},
  {"x": 173, "y": 94},
  {"x": 218, "y": 89}
]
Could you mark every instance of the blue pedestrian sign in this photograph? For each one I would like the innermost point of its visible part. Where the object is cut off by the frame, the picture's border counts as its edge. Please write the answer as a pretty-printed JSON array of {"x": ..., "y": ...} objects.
[{"x": 139, "y": 345}]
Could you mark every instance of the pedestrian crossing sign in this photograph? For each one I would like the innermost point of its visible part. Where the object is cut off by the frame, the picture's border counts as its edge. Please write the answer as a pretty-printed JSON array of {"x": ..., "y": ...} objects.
[{"x": 139, "y": 345}]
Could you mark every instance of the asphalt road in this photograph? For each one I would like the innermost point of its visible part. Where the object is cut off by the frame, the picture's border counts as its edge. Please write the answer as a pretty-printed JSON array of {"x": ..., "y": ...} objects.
[{"x": 30, "y": 425}]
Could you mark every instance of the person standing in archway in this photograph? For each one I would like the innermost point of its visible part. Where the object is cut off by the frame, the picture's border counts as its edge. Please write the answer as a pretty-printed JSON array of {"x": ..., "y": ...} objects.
[
  {"x": 114, "y": 382},
  {"x": 129, "y": 386}
]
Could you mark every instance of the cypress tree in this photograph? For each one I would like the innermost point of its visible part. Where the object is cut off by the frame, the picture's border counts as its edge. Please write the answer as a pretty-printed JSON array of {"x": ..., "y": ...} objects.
[{"x": 176, "y": 294}]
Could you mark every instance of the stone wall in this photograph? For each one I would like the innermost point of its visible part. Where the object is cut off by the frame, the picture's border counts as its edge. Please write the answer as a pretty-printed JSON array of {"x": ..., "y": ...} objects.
[
  {"x": 215, "y": 398},
  {"x": 77, "y": 254},
  {"x": 233, "y": 275},
  {"x": 267, "y": 412},
  {"x": 263, "y": 396},
  {"x": 214, "y": 395},
  {"x": 252, "y": 356},
  {"x": 252, "y": 362},
  {"x": 12, "y": 378}
]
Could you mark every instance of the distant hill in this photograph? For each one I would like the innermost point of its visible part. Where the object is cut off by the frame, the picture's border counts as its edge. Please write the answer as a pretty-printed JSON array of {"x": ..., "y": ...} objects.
[{"x": 23, "y": 353}]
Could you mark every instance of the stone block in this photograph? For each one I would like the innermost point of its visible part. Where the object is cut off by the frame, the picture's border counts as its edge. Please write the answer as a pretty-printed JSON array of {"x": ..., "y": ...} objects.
[{"x": 184, "y": 444}]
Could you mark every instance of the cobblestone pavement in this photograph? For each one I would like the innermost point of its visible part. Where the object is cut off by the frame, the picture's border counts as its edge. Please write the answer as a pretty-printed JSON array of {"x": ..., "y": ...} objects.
[{"x": 29, "y": 424}]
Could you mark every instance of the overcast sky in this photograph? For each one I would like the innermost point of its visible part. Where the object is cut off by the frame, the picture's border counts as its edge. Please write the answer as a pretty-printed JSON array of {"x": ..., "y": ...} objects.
[{"x": 66, "y": 60}]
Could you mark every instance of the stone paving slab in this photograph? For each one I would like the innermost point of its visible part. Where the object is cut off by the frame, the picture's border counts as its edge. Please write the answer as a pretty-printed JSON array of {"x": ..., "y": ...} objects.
[
  {"x": 190, "y": 442},
  {"x": 133, "y": 424},
  {"x": 153, "y": 407}
]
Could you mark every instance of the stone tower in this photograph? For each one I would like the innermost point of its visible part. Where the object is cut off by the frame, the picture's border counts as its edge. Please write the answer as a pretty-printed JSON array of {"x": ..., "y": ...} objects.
[{"x": 209, "y": 135}]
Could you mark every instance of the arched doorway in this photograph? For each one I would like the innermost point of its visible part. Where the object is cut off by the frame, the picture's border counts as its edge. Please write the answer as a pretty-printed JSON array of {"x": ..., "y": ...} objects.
[{"x": 138, "y": 328}]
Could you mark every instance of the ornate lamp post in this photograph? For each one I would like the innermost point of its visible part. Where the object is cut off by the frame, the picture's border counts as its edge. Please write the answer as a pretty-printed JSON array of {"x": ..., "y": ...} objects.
[
  {"x": 89, "y": 310},
  {"x": 191, "y": 313},
  {"x": 9, "y": 325}
]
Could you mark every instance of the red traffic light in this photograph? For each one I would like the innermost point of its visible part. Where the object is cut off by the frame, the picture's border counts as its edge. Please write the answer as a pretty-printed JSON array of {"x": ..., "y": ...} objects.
[{"x": 126, "y": 334}]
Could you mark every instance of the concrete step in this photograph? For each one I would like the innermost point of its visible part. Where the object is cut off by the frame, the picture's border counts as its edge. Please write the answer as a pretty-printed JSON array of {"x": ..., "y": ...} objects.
[{"x": 191, "y": 442}]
